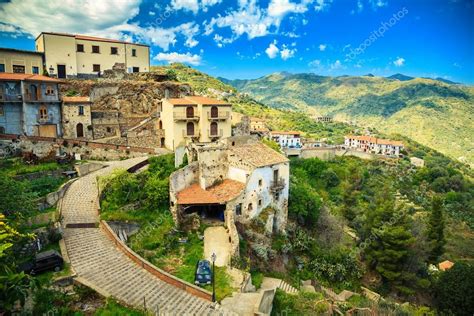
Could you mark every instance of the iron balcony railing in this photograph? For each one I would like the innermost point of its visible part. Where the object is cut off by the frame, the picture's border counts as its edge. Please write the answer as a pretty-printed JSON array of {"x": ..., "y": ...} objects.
[
  {"x": 221, "y": 115},
  {"x": 185, "y": 117},
  {"x": 44, "y": 119},
  {"x": 218, "y": 133},
  {"x": 195, "y": 134},
  {"x": 277, "y": 185}
]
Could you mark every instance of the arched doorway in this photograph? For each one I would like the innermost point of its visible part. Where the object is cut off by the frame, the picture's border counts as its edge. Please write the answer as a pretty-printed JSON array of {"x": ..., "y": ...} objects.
[
  {"x": 189, "y": 112},
  {"x": 214, "y": 129},
  {"x": 160, "y": 124},
  {"x": 190, "y": 129},
  {"x": 214, "y": 111},
  {"x": 79, "y": 130},
  {"x": 162, "y": 142}
]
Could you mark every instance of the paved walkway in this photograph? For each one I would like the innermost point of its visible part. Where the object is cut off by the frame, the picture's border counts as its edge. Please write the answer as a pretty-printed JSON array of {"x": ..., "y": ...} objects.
[
  {"x": 216, "y": 240},
  {"x": 96, "y": 260}
]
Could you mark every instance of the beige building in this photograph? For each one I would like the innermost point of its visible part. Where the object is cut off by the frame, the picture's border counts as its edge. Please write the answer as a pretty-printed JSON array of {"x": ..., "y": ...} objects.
[
  {"x": 76, "y": 117},
  {"x": 20, "y": 61},
  {"x": 258, "y": 125},
  {"x": 194, "y": 119},
  {"x": 68, "y": 55}
]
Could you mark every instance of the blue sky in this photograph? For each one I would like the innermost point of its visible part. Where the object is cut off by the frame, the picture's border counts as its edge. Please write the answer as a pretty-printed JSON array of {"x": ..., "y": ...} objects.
[{"x": 250, "y": 38}]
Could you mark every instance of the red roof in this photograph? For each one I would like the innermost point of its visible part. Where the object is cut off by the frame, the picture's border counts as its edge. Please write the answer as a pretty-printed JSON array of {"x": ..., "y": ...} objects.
[
  {"x": 376, "y": 140},
  {"x": 445, "y": 265},
  {"x": 285, "y": 133},
  {"x": 218, "y": 194},
  {"x": 76, "y": 99},
  {"x": 27, "y": 77},
  {"x": 195, "y": 100}
]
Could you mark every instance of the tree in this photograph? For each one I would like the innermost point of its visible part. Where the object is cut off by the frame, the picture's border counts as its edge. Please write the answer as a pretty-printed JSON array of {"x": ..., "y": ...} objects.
[
  {"x": 304, "y": 202},
  {"x": 330, "y": 178},
  {"x": 436, "y": 229},
  {"x": 16, "y": 202},
  {"x": 453, "y": 292},
  {"x": 388, "y": 240}
]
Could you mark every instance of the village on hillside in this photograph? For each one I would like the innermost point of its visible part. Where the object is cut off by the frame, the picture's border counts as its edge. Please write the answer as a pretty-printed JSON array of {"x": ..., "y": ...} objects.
[{"x": 220, "y": 178}]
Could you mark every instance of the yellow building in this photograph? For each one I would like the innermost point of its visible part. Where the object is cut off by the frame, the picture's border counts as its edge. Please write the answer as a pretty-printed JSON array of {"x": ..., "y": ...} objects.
[
  {"x": 68, "y": 55},
  {"x": 195, "y": 118},
  {"x": 20, "y": 61}
]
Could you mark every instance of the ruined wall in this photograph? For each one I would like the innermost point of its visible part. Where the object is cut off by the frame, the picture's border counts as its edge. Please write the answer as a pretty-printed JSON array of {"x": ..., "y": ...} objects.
[
  {"x": 179, "y": 180},
  {"x": 213, "y": 166}
]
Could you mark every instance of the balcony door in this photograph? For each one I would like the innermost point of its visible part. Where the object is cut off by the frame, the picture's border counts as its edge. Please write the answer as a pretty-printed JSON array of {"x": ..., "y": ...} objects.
[
  {"x": 190, "y": 112},
  {"x": 190, "y": 129},
  {"x": 213, "y": 129},
  {"x": 214, "y": 112}
]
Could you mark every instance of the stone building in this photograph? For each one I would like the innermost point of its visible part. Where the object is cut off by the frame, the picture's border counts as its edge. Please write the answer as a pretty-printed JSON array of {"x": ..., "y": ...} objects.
[
  {"x": 76, "y": 117},
  {"x": 258, "y": 125},
  {"x": 374, "y": 145},
  {"x": 233, "y": 180},
  {"x": 195, "y": 119},
  {"x": 105, "y": 124},
  {"x": 29, "y": 105}
]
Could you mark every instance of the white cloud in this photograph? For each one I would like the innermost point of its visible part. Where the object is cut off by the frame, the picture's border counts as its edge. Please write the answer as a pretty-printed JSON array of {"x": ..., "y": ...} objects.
[
  {"x": 322, "y": 5},
  {"x": 378, "y": 3},
  {"x": 151, "y": 13},
  {"x": 90, "y": 18},
  {"x": 193, "y": 5},
  {"x": 336, "y": 65},
  {"x": 315, "y": 63},
  {"x": 187, "y": 58},
  {"x": 252, "y": 20},
  {"x": 322, "y": 47},
  {"x": 272, "y": 50},
  {"x": 399, "y": 62},
  {"x": 287, "y": 53}
]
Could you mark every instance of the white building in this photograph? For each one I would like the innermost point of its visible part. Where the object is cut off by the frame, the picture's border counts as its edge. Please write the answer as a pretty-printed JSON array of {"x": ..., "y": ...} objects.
[
  {"x": 234, "y": 180},
  {"x": 291, "y": 139},
  {"x": 374, "y": 145}
]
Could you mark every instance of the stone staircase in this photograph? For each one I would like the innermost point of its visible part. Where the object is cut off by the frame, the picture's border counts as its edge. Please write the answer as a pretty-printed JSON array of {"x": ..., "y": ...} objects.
[
  {"x": 103, "y": 267},
  {"x": 287, "y": 288}
]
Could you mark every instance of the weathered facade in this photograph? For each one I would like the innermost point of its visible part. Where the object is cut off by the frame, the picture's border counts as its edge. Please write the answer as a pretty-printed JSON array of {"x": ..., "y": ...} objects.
[
  {"x": 76, "y": 118},
  {"x": 195, "y": 119},
  {"x": 21, "y": 61},
  {"x": 374, "y": 145},
  {"x": 233, "y": 180},
  {"x": 29, "y": 105},
  {"x": 69, "y": 55}
]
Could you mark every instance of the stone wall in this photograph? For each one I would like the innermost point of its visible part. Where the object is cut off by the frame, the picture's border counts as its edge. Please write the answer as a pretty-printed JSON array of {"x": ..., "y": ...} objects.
[
  {"x": 213, "y": 166},
  {"x": 71, "y": 117},
  {"x": 179, "y": 180}
]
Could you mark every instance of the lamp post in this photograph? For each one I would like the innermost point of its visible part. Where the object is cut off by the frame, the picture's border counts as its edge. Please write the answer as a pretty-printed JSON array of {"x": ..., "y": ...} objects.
[{"x": 213, "y": 257}]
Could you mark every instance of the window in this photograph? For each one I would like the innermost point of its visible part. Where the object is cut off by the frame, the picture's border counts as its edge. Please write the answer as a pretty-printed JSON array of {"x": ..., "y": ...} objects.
[
  {"x": 136, "y": 69},
  {"x": 214, "y": 131},
  {"x": 96, "y": 68},
  {"x": 43, "y": 113},
  {"x": 134, "y": 52},
  {"x": 238, "y": 209},
  {"x": 189, "y": 112},
  {"x": 109, "y": 130},
  {"x": 260, "y": 182},
  {"x": 81, "y": 110},
  {"x": 49, "y": 90},
  {"x": 2, "y": 130},
  {"x": 18, "y": 69},
  {"x": 1, "y": 92},
  {"x": 275, "y": 175},
  {"x": 95, "y": 49},
  {"x": 259, "y": 202},
  {"x": 35, "y": 70},
  {"x": 80, "y": 48},
  {"x": 114, "y": 50},
  {"x": 190, "y": 129},
  {"x": 250, "y": 207},
  {"x": 2, "y": 113},
  {"x": 2, "y": 67},
  {"x": 214, "y": 111}
]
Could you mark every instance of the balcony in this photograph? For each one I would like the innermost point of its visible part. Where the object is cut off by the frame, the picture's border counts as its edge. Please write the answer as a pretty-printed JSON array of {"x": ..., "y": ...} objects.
[
  {"x": 221, "y": 116},
  {"x": 184, "y": 117},
  {"x": 277, "y": 186},
  {"x": 218, "y": 133},
  {"x": 40, "y": 119},
  {"x": 186, "y": 135}
]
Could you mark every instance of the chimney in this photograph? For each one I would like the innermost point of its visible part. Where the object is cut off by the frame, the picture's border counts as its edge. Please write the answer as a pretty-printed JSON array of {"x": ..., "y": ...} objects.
[{"x": 167, "y": 94}]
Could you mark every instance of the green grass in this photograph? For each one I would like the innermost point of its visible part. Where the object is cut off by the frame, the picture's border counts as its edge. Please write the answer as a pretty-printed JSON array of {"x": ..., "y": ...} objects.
[
  {"x": 113, "y": 308},
  {"x": 15, "y": 166},
  {"x": 301, "y": 304}
]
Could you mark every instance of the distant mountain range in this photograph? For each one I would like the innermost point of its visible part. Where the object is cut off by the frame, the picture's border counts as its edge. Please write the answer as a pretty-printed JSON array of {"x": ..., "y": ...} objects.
[{"x": 435, "y": 112}]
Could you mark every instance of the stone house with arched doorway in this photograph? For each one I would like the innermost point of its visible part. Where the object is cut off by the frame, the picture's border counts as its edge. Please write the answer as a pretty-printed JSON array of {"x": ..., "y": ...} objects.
[{"x": 76, "y": 117}]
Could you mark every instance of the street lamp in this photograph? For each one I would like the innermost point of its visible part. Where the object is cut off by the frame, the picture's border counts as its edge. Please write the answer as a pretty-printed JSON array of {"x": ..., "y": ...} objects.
[{"x": 213, "y": 257}]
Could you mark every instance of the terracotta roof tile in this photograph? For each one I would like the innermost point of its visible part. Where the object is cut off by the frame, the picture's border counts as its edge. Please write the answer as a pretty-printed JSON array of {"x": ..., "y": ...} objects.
[
  {"x": 218, "y": 194},
  {"x": 76, "y": 99},
  {"x": 285, "y": 133},
  {"x": 445, "y": 265},
  {"x": 27, "y": 77},
  {"x": 257, "y": 154},
  {"x": 180, "y": 101},
  {"x": 376, "y": 140},
  {"x": 206, "y": 100}
]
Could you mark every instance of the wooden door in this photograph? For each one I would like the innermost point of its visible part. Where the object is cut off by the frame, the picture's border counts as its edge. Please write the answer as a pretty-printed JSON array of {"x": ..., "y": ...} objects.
[{"x": 47, "y": 130}]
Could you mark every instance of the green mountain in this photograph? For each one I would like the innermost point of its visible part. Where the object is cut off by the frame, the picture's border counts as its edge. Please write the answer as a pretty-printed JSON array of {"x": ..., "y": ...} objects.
[{"x": 431, "y": 112}]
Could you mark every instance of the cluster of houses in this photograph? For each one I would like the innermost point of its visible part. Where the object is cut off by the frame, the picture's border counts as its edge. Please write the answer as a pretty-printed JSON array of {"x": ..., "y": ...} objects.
[{"x": 374, "y": 145}]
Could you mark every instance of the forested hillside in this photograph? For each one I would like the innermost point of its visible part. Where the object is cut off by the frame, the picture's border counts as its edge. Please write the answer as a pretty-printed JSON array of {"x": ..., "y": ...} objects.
[{"x": 432, "y": 112}]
